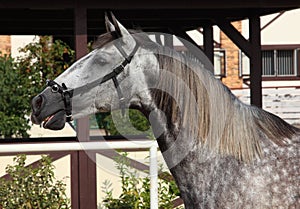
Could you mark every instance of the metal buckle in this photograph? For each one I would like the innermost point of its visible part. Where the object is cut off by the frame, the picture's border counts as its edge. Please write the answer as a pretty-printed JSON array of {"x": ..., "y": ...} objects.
[
  {"x": 69, "y": 118},
  {"x": 54, "y": 88}
]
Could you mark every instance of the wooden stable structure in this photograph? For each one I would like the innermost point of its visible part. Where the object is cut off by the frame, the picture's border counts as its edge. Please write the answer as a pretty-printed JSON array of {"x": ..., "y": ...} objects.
[{"x": 78, "y": 21}]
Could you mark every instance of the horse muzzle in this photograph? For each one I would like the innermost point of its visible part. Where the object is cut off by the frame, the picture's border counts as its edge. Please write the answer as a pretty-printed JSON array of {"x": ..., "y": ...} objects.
[{"x": 48, "y": 109}]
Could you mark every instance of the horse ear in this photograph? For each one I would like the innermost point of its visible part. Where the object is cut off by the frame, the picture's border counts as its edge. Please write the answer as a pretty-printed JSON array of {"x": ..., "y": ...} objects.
[
  {"x": 122, "y": 32},
  {"x": 120, "y": 29},
  {"x": 109, "y": 26}
]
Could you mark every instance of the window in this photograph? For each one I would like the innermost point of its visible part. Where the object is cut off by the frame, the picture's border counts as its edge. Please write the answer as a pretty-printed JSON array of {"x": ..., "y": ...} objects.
[
  {"x": 278, "y": 63},
  {"x": 220, "y": 63}
]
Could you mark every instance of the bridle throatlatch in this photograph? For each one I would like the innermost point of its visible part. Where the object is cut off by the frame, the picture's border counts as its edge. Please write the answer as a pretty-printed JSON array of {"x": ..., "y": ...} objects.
[{"x": 67, "y": 94}]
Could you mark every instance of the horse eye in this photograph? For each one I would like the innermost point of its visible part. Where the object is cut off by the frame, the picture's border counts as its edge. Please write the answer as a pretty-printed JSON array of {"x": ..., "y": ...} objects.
[
  {"x": 102, "y": 61},
  {"x": 54, "y": 88}
]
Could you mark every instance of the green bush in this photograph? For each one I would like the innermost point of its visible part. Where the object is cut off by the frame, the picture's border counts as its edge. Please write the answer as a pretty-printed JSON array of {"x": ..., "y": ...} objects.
[
  {"x": 32, "y": 188},
  {"x": 136, "y": 190},
  {"x": 14, "y": 99},
  {"x": 115, "y": 123},
  {"x": 24, "y": 77}
]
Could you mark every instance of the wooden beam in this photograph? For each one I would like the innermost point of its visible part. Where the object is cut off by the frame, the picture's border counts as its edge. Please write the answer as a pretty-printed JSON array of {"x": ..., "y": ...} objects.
[
  {"x": 81, "y": 50},
  {"x": 85, "y": 179},
  {"x": 255, "y": 62},
  {"x": 155, "y": 4},
  {"x": 235, "y": 36},
  {"x": 168, "y": 38},
  {"x": 273, "y": 20},
  {"x": 208, "y": 42}
]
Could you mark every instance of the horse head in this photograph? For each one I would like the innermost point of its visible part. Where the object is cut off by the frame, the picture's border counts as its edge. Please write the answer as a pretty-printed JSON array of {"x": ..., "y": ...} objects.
[{"x": 100, "y": 81}]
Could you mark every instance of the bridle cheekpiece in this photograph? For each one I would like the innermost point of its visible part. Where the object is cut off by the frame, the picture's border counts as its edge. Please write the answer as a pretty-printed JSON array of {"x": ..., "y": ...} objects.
[{"x": 67, "y": 94}]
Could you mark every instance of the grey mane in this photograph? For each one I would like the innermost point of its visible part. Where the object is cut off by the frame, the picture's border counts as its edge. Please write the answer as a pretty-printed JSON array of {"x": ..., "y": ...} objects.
[{"x": 220, "y": 120}]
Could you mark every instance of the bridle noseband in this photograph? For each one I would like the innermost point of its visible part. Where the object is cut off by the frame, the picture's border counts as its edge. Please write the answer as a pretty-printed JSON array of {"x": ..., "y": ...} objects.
[{"x": 67, "y": 94}]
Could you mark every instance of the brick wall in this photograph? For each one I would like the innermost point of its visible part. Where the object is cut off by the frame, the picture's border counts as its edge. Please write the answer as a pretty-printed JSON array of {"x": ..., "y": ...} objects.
[
  {"x": 232, "y": 79},
  {"x": 5, "y": 45}
]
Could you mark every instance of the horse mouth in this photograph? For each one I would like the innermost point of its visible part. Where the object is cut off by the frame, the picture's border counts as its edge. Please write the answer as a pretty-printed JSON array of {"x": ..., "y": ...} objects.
[{"x": 55, "y": 121}]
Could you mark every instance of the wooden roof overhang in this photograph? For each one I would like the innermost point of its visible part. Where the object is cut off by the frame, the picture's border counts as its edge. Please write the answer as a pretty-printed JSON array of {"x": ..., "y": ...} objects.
[
  {"x": 57, "y": 17},
  {"x": 65, "y": 18}
]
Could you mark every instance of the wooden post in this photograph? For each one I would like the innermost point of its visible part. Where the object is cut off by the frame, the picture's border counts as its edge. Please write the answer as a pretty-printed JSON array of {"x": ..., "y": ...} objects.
[
  {"x": 83, "y": 177},
  {"x": 168, "y": 38},
  {"x": 255, "y": 62},
  {"x": 75, "y": 201},
  {"x": 208, "y": 42},
  {"x": 252, "y": 49},
  {"x": 81, "y": 50}
]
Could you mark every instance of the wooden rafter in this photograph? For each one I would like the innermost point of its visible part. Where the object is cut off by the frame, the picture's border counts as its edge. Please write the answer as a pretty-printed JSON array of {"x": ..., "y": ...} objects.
[{"x": 235, "y": 36}]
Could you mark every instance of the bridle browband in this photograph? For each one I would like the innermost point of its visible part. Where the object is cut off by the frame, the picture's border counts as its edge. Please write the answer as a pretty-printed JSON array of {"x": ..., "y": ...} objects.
[{"x": 67, "y": 94}]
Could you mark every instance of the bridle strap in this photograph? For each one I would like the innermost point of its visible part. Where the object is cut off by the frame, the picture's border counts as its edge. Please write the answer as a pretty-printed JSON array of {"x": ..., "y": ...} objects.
[
  {"x": 67, "y": 94},
  {"x": 115, "y": 72},
  {"x": 120, "y": 95}
]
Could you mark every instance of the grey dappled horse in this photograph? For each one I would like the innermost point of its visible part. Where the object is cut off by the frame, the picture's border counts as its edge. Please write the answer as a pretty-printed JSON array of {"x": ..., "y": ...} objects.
[{"x": 221, "y": 152}]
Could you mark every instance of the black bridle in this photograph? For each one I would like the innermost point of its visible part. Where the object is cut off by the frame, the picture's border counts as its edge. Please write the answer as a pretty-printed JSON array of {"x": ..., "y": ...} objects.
[{"x": 67, "y": 94}]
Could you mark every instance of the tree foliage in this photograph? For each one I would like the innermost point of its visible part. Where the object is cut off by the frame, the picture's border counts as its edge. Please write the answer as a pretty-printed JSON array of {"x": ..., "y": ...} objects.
[
  {"x": 13, "y": 99},
  {"x": 117, "y": 124},
  {"x": 23, "y": 77},
  {"x": 32, "y": 188},
  {"x": 43, "y": 60},
  {"x": 136, "y": 190}
]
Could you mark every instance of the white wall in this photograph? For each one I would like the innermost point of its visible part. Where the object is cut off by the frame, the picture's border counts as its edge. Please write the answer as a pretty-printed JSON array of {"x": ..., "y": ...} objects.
[
  {"x": 284, "y": 30},
  {"x": 198, "y": 37},
  {"x": 19, "y": 41}
]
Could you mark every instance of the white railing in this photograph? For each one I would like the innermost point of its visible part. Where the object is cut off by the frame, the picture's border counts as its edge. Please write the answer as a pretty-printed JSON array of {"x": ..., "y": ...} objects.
[{"x": 88, "y": 146}]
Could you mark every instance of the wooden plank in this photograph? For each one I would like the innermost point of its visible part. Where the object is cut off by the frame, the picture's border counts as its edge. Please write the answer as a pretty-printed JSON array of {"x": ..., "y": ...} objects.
[
  {"x": 288, "y": 116},
  {"x": 282, "y": 92},
  {"x": 283, "y": 102},
  {"x": 283, "y": 110},
  {"x": 280, "y": 105}
]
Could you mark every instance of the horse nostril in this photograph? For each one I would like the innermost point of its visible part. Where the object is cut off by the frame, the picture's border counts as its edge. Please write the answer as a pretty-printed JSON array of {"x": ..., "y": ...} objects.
[{"x": 37, "y": 103}]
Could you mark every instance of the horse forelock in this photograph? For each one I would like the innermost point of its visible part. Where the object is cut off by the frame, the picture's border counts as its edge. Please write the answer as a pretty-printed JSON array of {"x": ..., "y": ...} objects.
[
  {"x": 109, "y": 37},
  {"x": 102, "y": 40}
]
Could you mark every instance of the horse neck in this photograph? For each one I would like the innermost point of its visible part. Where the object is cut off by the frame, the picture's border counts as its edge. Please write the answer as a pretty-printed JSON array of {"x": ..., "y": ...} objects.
[
  {"x": 219, "y": 123},
  {"x": 234, "y": 133}
]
